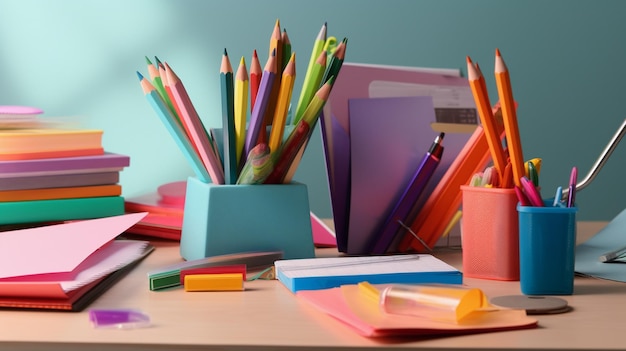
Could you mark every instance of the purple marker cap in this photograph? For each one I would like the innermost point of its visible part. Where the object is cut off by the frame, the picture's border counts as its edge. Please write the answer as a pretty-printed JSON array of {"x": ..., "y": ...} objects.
[{"x": 119, "y": 319}]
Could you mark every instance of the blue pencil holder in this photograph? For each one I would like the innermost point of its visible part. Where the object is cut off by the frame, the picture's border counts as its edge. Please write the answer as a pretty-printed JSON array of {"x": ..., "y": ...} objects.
[
  {"x": 226, "y": 219},
  {"x": 547, "y": 247}
]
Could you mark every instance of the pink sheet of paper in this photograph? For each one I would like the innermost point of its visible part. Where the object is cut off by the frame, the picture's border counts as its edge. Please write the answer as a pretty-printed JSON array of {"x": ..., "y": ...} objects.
[
  {"x": 58, "y": 248},
  {"x": 323, "y": 236},
  {"x": 349, "y": 306},
  {"x": 106, "y": 260}
]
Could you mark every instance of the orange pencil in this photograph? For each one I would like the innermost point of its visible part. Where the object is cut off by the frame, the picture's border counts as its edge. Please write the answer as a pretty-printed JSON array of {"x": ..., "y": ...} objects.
[
  {"x": 488, "y": 121},
  {"x": 276, "y": 48},
  {"x": 282, "y": 104},
  {"x": 511, "y": 128},
  {"x": 256, "y": 72}
]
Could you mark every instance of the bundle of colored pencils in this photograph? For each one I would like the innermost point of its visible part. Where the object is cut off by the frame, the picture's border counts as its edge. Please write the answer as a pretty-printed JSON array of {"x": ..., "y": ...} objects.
[{"x": 259, "y": 145}]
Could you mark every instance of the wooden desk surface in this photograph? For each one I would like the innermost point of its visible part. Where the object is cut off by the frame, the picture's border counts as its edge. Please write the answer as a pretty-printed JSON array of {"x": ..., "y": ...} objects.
[{"x": 268, "y": 317}]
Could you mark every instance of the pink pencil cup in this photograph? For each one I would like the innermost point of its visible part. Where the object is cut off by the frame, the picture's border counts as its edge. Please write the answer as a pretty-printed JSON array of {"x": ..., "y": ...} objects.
[{"x": 490, "y": 233}]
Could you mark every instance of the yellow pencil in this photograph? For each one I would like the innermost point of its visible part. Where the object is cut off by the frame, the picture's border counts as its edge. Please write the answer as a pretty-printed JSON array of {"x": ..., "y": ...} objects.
[
  {"x": 511, "y": 128},
  {"x": 241, "y": 106},
  {"x": 282, "y": 104}
]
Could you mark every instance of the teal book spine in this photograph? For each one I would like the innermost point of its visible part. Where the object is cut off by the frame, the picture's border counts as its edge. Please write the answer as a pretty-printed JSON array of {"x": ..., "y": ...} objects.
[{"x": 18, "y": 212}]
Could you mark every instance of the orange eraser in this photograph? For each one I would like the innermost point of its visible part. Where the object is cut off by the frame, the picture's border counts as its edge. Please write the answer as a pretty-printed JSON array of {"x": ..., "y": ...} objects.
[
  {"x": 214, "y": 282},
  {"x": 235, "y": 268}
]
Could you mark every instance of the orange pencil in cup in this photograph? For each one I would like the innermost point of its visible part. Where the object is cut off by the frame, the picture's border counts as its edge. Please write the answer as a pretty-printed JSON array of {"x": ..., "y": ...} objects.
[
  {"x": 282, "y": 104},
  {"x": 487, "y": 119},
  {"x": 511, "y": 128}
]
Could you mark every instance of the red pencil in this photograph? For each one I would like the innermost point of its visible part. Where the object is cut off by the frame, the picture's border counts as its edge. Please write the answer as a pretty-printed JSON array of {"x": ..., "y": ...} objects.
[
  {"x": 256, "y": 72},
  {"x": 288, "y": 152}
]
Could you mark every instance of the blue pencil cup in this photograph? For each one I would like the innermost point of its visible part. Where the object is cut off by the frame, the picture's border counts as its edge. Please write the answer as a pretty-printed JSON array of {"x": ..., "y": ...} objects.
[
  {"x": 547, "y": 247},
  {"x": 226, "y": 219}
]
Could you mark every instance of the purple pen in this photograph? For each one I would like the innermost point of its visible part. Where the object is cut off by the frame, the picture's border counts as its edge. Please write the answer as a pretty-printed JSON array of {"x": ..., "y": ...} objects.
[
  {"x": 410, "y": 196},
  {"x": 571, "y": 196}
]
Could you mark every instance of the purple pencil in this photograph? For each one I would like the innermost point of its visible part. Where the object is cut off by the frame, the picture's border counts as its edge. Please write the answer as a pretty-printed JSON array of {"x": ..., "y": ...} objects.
[
  {"x": 260, "y": 105},
  {"x": 409, "y": 197}
]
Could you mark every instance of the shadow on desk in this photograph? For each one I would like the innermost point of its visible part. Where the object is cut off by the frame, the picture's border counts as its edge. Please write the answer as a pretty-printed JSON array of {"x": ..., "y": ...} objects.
[{"x": 584, "y": 285}]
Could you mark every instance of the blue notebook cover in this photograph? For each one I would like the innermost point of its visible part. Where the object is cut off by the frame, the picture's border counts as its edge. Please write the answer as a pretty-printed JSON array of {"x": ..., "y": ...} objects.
[{"x": 325, "y": 273}]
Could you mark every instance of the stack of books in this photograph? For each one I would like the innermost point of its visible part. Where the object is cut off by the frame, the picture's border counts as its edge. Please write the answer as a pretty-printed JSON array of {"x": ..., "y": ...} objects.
[
  {"x": 165, "y": 211},
  {"x": 49, "y": 173}
]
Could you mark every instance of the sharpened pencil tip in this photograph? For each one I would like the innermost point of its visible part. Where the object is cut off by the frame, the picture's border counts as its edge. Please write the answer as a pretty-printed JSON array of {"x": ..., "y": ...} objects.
[
  {"x": 148, "y": 60},
  {"x": 498, "y": 52},
  {"x": 139, "y": 75},
  {"x": 225, "y": 52},
  {"x": 468, "y": 59},
  {"x": 254, "y": 54},
  {"x": 441, "y": 135},
  {"x": 157, "y": 61}
]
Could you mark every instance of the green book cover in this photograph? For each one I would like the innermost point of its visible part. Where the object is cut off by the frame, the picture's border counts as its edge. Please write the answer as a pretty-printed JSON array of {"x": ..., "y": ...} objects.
[{"x": 60, "y": 209}]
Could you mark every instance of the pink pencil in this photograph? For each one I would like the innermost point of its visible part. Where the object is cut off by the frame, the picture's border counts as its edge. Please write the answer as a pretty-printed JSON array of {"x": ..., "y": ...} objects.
[{"x": 194, "y": 127}]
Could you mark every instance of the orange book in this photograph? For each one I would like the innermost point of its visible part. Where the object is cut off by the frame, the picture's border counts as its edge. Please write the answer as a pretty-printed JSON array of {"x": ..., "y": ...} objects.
[
  {"x": 61, "y": 193},
  {"x": 26, "y": 144}
]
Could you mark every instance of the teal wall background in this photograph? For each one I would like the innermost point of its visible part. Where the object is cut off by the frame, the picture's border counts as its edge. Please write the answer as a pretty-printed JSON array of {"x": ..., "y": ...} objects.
[{"x": 566, "y": 57}]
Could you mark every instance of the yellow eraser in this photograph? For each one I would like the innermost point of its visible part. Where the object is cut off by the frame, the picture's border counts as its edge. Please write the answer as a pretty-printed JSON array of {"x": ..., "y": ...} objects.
[{"x": 214, "y": 282}]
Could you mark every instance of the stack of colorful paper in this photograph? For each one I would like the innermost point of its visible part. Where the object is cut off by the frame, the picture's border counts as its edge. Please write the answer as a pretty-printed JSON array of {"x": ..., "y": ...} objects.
[{"x": 54, "y": 174}]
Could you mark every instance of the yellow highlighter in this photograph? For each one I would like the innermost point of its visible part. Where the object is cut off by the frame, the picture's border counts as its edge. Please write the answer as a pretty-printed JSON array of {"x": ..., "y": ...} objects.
[{"x": 536, "y": 162}]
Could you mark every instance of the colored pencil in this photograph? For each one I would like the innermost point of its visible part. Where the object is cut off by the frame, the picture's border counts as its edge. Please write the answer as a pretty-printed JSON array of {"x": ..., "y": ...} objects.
[
  {"x": 276, "y": 49},
  {"x": 241, "y": 106},
  {"x": 282, "y": 104},
  {"x": 258, "y": 167},
  {"x": 155, "y": 77},
  {"x": 511, "y": 128},
  {"x": 194, "y": 127},
  {"x": 263, "y": 97},
  {"x": 174, "y": 128},
  {"x": 288, "y": 152},
  {"x": 169, "y": 101},
  {"x": 336, "y": 61},
  {"x": 284, "y": 39},
  {"x": 309, "y": 117},
  {"x": 308, "y": 87},
  {"x": 256, "y": 73},
  {"x": 228, "y": 120},
  {"x": 488, "y": 121}
]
